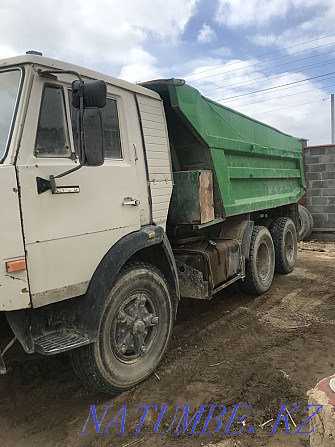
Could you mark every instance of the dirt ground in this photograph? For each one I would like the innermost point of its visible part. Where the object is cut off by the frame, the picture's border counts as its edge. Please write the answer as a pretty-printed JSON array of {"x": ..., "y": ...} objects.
[{"x": 233, "y": 350}]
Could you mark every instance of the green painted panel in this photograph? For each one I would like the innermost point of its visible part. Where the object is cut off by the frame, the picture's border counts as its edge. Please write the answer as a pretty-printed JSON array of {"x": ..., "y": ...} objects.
[
  {"x": 192, "y": 198},
  {"x": 255, "y": 166},
  {"x": 185, "y": 204}
]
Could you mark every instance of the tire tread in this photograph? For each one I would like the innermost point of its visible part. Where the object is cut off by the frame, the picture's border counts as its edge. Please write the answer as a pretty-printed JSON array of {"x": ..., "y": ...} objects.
[
  {"x": 82, "y": 358},
  {"x": 277, "y": 231},
  {"x": 250, "y": 283},
  {"x": 307, "y": 221}
]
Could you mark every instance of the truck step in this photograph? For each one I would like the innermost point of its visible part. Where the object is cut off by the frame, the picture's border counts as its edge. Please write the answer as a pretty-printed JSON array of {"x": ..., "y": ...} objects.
[{"x": 56, "y": 342}]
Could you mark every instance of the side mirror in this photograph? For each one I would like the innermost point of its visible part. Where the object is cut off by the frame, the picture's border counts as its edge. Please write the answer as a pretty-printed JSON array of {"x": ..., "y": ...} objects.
[
  {"x": 91, "y": 135},
  {"x": 93, "y": 138},
  {"x": 94, "y": 94},
  {"x": 91, "y": 142}
]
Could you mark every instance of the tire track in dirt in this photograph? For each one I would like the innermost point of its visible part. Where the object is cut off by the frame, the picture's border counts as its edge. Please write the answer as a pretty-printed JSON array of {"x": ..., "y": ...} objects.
[{"x": 234, "y": 349}]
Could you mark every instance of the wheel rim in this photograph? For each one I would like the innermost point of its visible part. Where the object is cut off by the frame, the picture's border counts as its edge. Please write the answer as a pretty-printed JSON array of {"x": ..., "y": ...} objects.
[
  {"x": 263, "y": 262},
  {"x": 289, "y": 246},
  {"x": 134, "y": 328}
]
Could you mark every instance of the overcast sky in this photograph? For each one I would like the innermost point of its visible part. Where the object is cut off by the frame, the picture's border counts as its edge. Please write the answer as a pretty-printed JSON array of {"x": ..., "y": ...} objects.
[{"x": 255, "y": 56}]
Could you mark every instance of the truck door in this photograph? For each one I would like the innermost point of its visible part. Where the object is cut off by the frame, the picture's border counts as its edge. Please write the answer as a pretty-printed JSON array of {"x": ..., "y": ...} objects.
[{"x": 67, "y": 235}]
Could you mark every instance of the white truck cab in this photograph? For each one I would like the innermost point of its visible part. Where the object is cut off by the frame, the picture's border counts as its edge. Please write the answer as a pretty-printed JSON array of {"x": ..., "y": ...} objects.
[
  {"x": 53, "y": 242},
  {"x": 64, "y": 236}
]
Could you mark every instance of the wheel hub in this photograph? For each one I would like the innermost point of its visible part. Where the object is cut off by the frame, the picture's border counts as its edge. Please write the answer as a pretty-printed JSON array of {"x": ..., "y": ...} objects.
[
  {"x": 263, "y": 261},
  {"x": 138, "y": 327},
  {"x": 134, "y": 328},
  {"x": 289, "y": 247}
]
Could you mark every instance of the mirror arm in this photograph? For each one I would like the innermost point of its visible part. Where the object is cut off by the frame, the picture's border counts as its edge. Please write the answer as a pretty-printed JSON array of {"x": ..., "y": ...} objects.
[
  {"x": 81, "y": 122},
  {"x": 52, "y": 178},
  {"x": 67, "y": 172},
  {"x": 51, "y": 74}
]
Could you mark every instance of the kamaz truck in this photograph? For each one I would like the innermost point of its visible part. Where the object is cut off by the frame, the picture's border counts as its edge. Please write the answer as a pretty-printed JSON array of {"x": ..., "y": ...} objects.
[{"x": 118, "y": 200}]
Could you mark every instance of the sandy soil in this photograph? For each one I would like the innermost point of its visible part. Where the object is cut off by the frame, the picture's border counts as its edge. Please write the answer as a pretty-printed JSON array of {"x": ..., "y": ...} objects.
[{"x": 264, "y": 352}]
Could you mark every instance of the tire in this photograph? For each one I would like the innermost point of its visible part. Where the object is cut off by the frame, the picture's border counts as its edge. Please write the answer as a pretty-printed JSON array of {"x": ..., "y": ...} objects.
[
  {"x": 261, "y": 263},
  {"x": 284, "y": 236},
  {"x": 306, "y": 223},
  {"x": 134, "y": 331}
]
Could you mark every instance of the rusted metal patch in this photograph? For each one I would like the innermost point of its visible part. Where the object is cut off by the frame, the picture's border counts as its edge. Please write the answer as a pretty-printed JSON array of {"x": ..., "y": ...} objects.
[{"x": 206, "y": 196}]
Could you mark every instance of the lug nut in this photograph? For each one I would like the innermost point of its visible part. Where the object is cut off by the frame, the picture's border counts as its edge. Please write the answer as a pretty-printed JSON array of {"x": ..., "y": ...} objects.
[
  {"x": 122, "y": 317},
  {"x": 123, "y": 349},
  {"x": 154, "y": 321}
]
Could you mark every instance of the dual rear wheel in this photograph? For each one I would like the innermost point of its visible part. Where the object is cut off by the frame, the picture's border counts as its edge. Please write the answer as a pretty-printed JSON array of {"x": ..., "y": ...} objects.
[
  {"x": 137, "y": 317},
  {"x": 271, "y": 250}
]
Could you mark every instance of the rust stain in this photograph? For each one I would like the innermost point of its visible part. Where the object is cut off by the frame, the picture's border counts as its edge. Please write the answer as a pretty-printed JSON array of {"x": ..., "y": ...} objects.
[{"x": 206, "y": 197}]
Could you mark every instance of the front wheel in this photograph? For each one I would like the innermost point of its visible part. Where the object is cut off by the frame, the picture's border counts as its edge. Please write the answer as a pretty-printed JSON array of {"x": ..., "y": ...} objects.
[
  {"x": 261, "y": 263},
  {"x": 134, "y": 331}
]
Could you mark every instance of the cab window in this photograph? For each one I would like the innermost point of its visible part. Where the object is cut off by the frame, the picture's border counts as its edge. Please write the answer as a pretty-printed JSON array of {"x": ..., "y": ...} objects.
[
  {"x": 52, "y": 138},
  {"x": 111, "y": 129}
]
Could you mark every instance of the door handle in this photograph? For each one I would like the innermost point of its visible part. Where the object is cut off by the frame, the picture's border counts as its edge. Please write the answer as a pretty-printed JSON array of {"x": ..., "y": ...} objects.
[{"x": 130, "y": 201}]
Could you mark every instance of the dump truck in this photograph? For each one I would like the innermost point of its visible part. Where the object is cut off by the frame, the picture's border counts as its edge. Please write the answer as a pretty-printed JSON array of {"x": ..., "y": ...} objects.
[{"x": 120, "y": 199}]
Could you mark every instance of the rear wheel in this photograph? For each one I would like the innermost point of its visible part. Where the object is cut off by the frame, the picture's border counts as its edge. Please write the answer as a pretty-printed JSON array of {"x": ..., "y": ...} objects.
[
  {"x": 284, "y": 237},
  {"x": 134, "y": 331},
  {"x": 260, "y": 265},
  {"x": 306, "y": 223}
]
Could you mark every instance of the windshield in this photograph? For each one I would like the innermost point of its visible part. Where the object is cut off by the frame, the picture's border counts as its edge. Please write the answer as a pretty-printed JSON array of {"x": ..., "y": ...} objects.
[{"x": 9, "y": 88}]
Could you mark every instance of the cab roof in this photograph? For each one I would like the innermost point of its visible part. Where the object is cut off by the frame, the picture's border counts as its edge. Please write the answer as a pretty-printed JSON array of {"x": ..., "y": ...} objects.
[{"x": 49, "y": 64}]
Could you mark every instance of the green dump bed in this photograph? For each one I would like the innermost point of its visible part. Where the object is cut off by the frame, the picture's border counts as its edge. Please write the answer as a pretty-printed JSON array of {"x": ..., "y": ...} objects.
[{"x": 254, "y": 166}]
